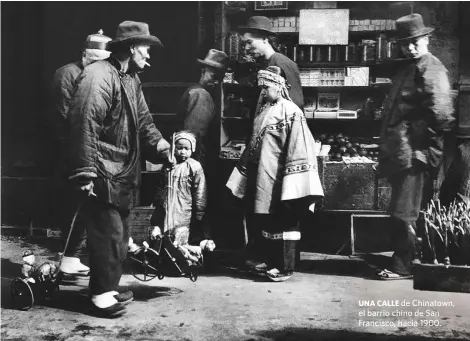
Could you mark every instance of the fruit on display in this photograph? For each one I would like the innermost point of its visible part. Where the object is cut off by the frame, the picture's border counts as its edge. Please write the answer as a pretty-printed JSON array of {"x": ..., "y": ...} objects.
[{"x": 345, "y": 146}]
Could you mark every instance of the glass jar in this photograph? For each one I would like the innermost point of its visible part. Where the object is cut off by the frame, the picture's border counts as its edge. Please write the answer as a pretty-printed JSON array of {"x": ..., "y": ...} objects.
[{"x": 351, "y": 52}]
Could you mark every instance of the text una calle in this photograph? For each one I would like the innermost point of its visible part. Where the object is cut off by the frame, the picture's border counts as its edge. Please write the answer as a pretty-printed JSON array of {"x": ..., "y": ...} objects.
[{"x": 379, "y": 303}]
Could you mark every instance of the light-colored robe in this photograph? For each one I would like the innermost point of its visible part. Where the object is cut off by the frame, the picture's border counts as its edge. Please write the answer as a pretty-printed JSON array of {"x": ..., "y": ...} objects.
[{"x": 279, "y": 163}]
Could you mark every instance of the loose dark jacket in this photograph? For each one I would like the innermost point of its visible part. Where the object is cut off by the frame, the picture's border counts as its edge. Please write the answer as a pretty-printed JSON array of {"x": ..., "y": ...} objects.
[
  {"x": 293, "y": 77},
  {"x": 63, "y": 85},
  {"x": 109, "y": 124},
  {"x": 197, "y": 111},
  {"x": 417, "y": 112}
]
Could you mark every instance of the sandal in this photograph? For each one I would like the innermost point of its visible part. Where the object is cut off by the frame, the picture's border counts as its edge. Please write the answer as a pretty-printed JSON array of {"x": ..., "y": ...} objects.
[
  {"x": 276, "y": 276},
  {"x": 388, "y": 275}
]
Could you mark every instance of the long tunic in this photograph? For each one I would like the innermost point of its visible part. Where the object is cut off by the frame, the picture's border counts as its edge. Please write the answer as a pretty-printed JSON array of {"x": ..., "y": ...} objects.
[
  {"x": 189, "y": 199},
  {"x": 279, "y": 164}
]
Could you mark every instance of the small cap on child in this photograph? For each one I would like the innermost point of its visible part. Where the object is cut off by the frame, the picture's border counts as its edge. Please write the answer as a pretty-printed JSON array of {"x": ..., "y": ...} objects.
[{"x": 187, "y": 136}]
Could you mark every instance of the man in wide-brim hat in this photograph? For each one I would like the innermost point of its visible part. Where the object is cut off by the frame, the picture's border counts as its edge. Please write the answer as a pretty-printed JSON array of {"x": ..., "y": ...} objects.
[
  {"x": 197, "y": 111},
  {"x": 417, "y": 113},
  {"x": 259, "y": 39},
  {"x": 109, "y": 125}
]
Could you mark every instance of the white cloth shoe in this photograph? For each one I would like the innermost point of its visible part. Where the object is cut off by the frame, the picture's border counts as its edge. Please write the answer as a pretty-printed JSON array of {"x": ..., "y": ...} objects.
[
  {"x": 72, "y": 265},
  {"x": 105, "y": 300}
]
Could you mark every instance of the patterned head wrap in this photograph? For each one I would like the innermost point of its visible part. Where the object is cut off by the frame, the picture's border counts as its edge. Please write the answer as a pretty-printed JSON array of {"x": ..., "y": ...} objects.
[
  {"x": 271, "y": 79},
  {"x": 187, "y": 136}
]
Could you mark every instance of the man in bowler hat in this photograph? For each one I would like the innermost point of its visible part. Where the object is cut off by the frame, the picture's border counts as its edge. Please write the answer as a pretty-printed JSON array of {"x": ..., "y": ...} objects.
[
  {"x": 110, "y": 124},
  {"x": 258, "y": 36},
  {"x": 197, "y": 111},
  {"x": 63, "y": 85},
  {"x": 417, "y": 112}
]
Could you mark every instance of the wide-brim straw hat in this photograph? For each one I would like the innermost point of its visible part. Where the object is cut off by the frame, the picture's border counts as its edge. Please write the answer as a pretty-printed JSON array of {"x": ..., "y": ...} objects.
[
  {"x": 215, "y": 59},
  {"x": 258, "y": 24},
  {"x": 134, "y": 32},
  {"x": 411, "y": 26}
]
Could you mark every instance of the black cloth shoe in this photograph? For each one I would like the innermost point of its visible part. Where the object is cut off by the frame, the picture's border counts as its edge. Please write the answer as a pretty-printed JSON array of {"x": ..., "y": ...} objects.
[
  {"x": 113, "y": 311},
  {"x": 125, "y": 297}
]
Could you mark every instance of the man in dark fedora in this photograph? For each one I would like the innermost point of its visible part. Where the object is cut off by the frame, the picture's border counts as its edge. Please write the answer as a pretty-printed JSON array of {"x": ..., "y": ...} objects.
[
  {"x": 110, "y": 124},
  {"x": 417, "y": 113},
  {"x": 197, "y": 111},
  {"x": 258, "y": 36},
  {"x": 63, "y": 85}
]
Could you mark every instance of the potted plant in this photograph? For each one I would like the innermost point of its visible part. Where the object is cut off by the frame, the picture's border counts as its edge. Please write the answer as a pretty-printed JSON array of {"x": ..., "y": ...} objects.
[{"x": 445, "y": 245}]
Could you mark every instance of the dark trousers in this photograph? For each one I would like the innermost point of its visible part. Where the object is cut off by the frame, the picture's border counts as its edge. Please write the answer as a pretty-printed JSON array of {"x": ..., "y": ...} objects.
[
  {"x": 281, "y": 238},
  {"x": 108, "y": 238},
  {"x": 65, "y": 206},
  {"x": 405, "y": 205}
]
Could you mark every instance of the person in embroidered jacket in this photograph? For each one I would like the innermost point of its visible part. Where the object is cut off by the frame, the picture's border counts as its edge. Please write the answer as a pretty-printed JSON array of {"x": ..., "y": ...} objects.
[
  {"x": 417, "y": 112},
  {"x": 63, "y": 85},
  {"x": 277, "y": 173},
  {"x": 110, "y": 125},
  {"x": 189, "y": 193},
  {"x": 258, "y": 37}
]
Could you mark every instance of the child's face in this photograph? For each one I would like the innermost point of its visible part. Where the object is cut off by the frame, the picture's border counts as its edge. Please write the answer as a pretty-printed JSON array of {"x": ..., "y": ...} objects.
[{"x": 182, "y": 150}]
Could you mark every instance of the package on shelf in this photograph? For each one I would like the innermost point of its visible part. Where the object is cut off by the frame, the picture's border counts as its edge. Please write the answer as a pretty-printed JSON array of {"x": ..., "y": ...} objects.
[
  {"x": 324, "y": 4},
  {"x": 322, "y": 77},
  {"x": 328, "y": 101},
  {"x": 357, "y": 76},
  {"x": 284, "y": 24},
  {"x": 321, "y": 114},
  {"x": 372, "y": 25}
]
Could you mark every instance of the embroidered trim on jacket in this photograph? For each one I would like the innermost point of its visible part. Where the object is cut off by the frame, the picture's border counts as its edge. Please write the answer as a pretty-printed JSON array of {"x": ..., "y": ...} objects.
[{"x": 290, "y": 235}]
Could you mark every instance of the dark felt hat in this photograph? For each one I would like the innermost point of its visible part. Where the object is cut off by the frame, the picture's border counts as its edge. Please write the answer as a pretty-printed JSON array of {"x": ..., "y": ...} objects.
[
  {"x": 134, "y": 32},
  {"x": 215, "y": 59},
  {"x": 257, "y": 24},
  {"x": 411, "y": 26}
]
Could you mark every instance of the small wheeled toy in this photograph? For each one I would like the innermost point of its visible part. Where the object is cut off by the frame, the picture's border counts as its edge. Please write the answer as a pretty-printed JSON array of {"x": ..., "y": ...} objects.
[
  {"x": 162, "y": 254},
  {"x": 37, "y": 283}
]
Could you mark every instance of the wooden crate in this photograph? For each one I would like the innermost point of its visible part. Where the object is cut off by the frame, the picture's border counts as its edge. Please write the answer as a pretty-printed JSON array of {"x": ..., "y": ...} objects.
[
  {"x": 139, "y": 222},
  {"x": 353, "y": 186},
  {"x": 432, "y": 277}
]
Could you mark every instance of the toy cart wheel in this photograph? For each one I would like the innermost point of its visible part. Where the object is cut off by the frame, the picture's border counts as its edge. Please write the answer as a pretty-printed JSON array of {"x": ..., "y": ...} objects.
[
  {"x": 193, "y": 274},
  {"x": 141, "y": 268},
  {"x": 21, "y": 294}
]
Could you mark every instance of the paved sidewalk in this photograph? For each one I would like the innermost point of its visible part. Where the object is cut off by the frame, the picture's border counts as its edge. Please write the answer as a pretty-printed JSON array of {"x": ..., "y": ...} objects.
[{"x": 321, "y": 302}]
